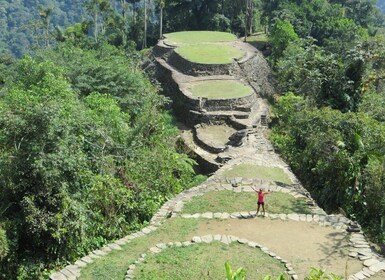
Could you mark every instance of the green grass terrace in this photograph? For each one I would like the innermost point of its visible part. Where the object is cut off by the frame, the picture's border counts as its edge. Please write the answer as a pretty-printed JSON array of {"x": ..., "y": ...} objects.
[
  {"x": 206, "y": 261},
  {"x": 197, "y": 37},
  {"x": 200, "y": 261},
  {"x": 210, "y": 53},
  {"x": 220, "y": 89},
  {"x": 230, "y": 201}
]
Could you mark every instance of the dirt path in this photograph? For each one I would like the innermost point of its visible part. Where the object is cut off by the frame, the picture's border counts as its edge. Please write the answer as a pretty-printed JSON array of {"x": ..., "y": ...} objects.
[{"x": 303, "y": 244}]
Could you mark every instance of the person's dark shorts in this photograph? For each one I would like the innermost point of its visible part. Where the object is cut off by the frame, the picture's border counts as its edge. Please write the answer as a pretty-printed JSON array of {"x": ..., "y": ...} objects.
[{"x": 261, "y": 203}]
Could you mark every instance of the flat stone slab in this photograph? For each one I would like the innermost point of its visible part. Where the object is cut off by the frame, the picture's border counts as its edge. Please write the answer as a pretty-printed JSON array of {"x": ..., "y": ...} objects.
[
  {"x": 186, "y": 243},
  {"x": 225, "y": 240},
  {"x": 87, "y": 259},
  {"x": 368, "y": 271},
  {"x": 360, "y": 276},
  {"x": 68, "y": 274},
  {"x": 196, "y": 239},
  {"x": 207, "y": 215},
  {"x": 161, "y": 246},
  {"x": 121, "y": 242},
  {"x": 294, "y": 217},
  {"x": 225, "y": 216},
  {"x": 253, "y": 244},
  {"x": 377, "y": 267},
  {"x": 370, "y": 262},
  {"x": 217, "y": 215},
  {"x": 146, "y": 230},
  {"x": 207, "y": 238},
  {"x": 99, "y": 252},
  {"x": 245, "y": 215},
  {"x": 80, "y": 263},
  {"x": 114, "y": 246},
  {"x": 155, "y": 250},
  {"x": 58, "y": 276},
  {"x": 283, "y": 216}
]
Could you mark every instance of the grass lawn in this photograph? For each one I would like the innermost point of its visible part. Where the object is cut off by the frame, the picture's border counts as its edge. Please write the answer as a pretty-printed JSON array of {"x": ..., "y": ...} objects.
[
  {"x": 196, "y": 37},
  {"x": 209, "y": 53},
  {"x": 115, "y": 265},
  {"x": 206, "y": 261},
  {"x": 259, "y": 40},
  {"x": 229, "y": 201},
  {"x": 257, "y": 171},
  {"x": 220, "y": 89}
]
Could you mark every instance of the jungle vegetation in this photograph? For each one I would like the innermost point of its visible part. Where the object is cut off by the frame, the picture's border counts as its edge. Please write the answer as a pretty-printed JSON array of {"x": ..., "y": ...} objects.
[{"x": 85, "y": 154}]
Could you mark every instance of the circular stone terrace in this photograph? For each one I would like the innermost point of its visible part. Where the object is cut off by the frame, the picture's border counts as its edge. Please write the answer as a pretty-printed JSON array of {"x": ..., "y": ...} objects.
[{"x": 205, "y": 47}]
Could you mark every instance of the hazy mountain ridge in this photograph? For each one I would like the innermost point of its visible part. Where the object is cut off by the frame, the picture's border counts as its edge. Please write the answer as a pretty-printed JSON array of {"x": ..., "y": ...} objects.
[
  {"x": 381, "y": 5},
  {"x": 21, "y": 25}
]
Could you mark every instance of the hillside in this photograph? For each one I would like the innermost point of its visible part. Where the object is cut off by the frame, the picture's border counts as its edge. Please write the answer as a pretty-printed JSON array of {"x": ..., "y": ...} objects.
[
  {"x": 24, "y": 23},
  {"x": 96, "y": 135},
  {"x": 381, "y": 5},
  {"x": 195, "y": 233}
]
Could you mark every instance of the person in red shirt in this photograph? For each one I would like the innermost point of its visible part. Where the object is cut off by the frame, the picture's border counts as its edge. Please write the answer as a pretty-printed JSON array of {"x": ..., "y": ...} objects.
[{"x": 261, "y": 200}]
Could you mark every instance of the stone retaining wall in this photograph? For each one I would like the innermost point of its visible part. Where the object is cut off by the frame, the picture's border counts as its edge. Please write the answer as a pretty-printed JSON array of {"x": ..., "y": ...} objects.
[
  {"x": 257, "y": 72},
  {"x": 204, "y": 144},
  {"x": 199, "y": 69},
  {"x": 192, "y": 109},
  {"x": 162, "y": 51},
  {"x": 225, "y": 104}
]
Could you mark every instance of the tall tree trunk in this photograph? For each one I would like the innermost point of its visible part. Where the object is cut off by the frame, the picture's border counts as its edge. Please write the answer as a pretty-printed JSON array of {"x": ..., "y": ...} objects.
[
  {"x": 245, "y": 21},
  {"x": 251, "y": 17},
  {"x": 96, "y": 27},
  {"x": 223, "y": 7},
  {"x": 124, "y": 6},
  {"x": 161, "y": 23},
  {"x": 145, "y": 25}
]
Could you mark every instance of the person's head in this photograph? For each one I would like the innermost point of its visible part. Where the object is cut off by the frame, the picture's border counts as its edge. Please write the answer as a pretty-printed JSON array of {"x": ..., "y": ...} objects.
[{"x": 261, "y": 190}]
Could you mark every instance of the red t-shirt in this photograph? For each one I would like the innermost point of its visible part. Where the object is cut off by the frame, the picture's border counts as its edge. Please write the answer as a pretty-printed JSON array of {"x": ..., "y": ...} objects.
[{"x": 261, "y": 197}]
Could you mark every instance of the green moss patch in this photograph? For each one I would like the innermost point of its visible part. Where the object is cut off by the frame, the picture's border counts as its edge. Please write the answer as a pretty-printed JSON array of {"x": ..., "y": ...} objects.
[
  {"x": 257, "y": 171},
  {"x": 220, "y": 89},
  {"x": 229, "y": 202},
  {"x": 206, "y": 261},
  {"x": 197, "y": 37},
  {"x": 209, "y": 53}
]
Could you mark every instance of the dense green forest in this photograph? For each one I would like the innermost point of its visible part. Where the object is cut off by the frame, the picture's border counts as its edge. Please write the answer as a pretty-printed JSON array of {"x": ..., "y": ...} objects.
[
  {"x": 328, "y": 58},
  {"x": 85, "y": 154}
]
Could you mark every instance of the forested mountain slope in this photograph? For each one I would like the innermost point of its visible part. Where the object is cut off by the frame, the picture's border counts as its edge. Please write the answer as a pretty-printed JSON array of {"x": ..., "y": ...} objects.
[
  {"x": 23, "y": 23},
  {"x": 381, "y": 5},
  {"x": 82, "y": 129}
]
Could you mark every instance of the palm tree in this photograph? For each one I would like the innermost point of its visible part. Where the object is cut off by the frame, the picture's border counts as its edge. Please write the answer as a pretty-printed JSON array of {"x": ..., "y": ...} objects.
[
  {"x": 162, "y": 3},
  {"x": 45, "y": 14}
]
